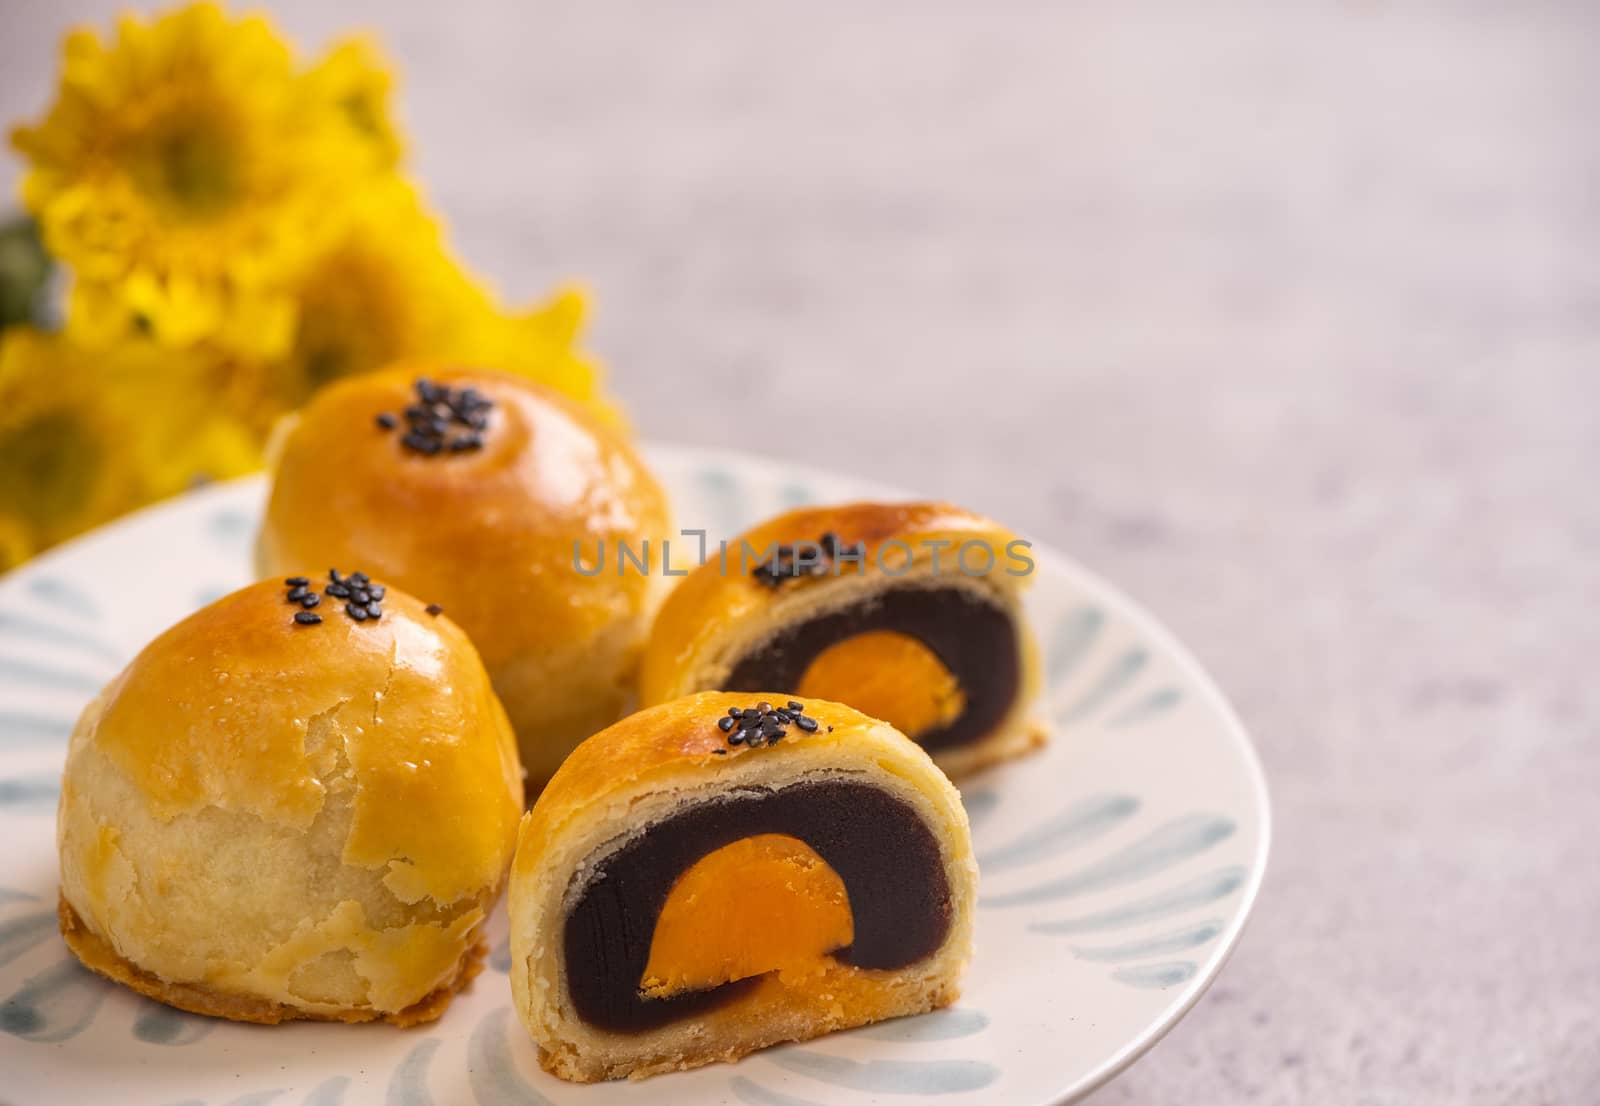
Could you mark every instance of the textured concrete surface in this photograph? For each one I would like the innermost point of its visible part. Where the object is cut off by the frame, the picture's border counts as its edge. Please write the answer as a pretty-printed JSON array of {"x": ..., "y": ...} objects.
[{"x": 1286, "y": 317}]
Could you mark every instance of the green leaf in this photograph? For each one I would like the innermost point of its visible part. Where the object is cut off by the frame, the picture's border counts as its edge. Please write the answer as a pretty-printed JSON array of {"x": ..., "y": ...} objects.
[{"x": 25, "y": 270}]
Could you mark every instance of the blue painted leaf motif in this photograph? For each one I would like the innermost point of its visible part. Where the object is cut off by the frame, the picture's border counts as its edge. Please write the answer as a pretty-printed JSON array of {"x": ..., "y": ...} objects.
[
  {"x": 726, "y": 501},
  {"x": 18, "y": 935},
  {"x": 1164, "y": 944},
  {"x": 1113, "y": 680},
  {"x": 941, "y": 1025},
  {"x": 1074, "y": 635},
  {"x": 230, "y": 527},
  {"x": 55, "y": 1005},
  {"x": 27, "y": 632},
  {"x": 1172, "y": 844},
  {"x": 1079, "y": 823},
  {"x": 66, "y": 596},
  {"x": 30, "y": 793},
  {"x": 791, "y": 496},
  {"x": 1157, "y": 976},
  {"x": 754, "y": 1094},
  {"x": 921, "y": 1077},
  {"x": 408, "y": 1086},
  {"x": 162, "y": 1025},
  {"x": 255, "y": 1098},
  {"x": 22, "y": 728},
  {"x": 330, "y": 1092},
  {"x": 1200, "y": 891},
  {"x": 28, "y": 674},
  {"x": 491, "y": 1070},
  {"x": 1154, "y": 705},
  {"x": 979, "y": 804}
]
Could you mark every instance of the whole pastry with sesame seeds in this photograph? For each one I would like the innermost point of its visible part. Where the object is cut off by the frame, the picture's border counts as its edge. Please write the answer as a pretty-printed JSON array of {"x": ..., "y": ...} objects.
[
  {"x": 724, "y": 872},
  {"x": 300, "y": 802},
  {"x": 486, "y": 493}
]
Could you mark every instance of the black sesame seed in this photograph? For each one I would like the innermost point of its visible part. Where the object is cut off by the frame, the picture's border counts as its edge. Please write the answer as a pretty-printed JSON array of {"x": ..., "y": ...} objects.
[
  {"x": 297, "y": 593},
  {"x": 377, "y": 591},
  {"x": 360, "y": 595},
  {"x": 807, "y": 724},
  {"x": 763, "y": 707},
  {"x": 719, "y": 752},
  {"x": 737, "y": 738},
  {"x": 734, "y": 712},
  {"x": 374, "y": 610},
  {"x": 338, "y": 591},
  {"x": 355, "y": 612},
  {"x": 333, "y": 574},
  {"x": 387, "y": 421},
  {"x": 307, "y": 618},
  {"x": 434, "y": 609},
  {"x": 297, "y": 581},
  {"x": 798, "y": 708},
  {"x": 311, "y": 600},
  {"x": 725, "y": 723},
  {"x": 782, "y": 716},
  {"x": 359, "y": 578},
  {"x": 749, "y": 714}
]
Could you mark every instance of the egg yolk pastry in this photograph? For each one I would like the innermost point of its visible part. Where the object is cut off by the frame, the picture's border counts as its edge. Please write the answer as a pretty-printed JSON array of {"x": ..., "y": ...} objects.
[
  {"x": 724, "y": 872},
  {"x": 483, "y": 492},
  {"x": 299, "y": 802},
  {"x": 909, "y": 612}
]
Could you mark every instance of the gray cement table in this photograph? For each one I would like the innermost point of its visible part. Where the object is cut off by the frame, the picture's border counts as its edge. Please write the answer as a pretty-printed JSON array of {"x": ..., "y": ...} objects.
[{"x": 1285, "y": 317}]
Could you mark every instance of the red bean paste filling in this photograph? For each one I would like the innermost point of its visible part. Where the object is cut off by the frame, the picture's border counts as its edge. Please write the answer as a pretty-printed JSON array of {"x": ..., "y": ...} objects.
[
  {"x": 881, "y": 849},
  {"x": 974, "y": 639}
]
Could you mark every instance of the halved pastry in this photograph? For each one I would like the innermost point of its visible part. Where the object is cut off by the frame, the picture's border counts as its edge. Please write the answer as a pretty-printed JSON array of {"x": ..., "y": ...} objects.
[
  {"x": 909, "y": 612},
  {"x": 725, "y": 872},
  {"x": 298, "y": 802}
]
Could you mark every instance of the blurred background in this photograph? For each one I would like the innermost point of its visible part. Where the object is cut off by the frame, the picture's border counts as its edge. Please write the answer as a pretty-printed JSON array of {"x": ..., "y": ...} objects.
[{"x": 1284, "y": 317}]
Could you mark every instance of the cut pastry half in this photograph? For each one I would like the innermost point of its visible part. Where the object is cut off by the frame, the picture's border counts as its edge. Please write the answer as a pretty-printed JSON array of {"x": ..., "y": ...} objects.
[
  {"x": 909, "y": 612},
  {"x": 726, "y": 872}
]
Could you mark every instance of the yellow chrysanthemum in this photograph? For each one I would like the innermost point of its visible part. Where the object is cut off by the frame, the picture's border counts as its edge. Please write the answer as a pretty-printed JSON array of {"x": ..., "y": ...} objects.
[
  {"x": 88, "y": 434},
  {"x": 186, "y": 172},
  {"x": 355, "y": 78},
  {"x": 542, "y": 344},
  {"x": 389, "y": 290}
]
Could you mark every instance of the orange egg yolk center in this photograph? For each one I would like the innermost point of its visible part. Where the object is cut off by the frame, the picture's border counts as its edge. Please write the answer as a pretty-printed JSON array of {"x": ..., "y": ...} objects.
[
  {"x": 762, "y": 904},
  {"x": 887, "y": 675}
]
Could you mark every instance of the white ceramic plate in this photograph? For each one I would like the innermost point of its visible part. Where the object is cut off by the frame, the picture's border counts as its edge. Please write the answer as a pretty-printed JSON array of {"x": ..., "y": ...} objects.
[{"x": 1118, "y": 866}]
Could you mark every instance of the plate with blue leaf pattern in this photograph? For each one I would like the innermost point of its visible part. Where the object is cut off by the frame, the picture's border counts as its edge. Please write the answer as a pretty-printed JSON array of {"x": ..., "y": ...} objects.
[{"x": 1118, "y": 865}]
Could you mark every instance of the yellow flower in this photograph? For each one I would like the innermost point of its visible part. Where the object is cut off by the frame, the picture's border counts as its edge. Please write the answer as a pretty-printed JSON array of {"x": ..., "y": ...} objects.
[
  {"x": 389, "y": 290},
  {"x": 187, "y": 173},
  {"x": 88, "y": 434},
  {"x": 354, "y": 78},
  {"x": 541, "y": 344}
]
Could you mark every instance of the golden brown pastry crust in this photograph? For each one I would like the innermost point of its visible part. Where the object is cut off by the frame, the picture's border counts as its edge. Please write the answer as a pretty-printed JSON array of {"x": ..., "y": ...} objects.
[
  {"x": 712, "y": 616},
  {"x": 258, "y": 814},
  {"x": 103, "y": 960},
  {"x": 487, "y": 534},
  {"x": 637, "y": 772}
]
